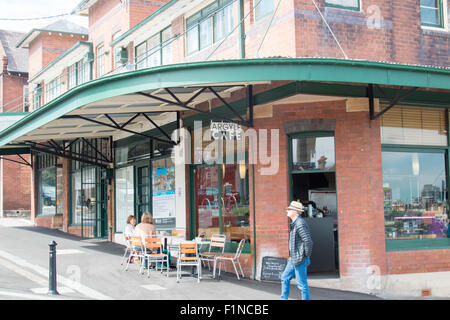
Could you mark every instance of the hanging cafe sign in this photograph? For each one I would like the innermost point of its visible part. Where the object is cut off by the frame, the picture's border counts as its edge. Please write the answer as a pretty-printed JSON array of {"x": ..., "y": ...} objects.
[{"x": 222, "y": 130}]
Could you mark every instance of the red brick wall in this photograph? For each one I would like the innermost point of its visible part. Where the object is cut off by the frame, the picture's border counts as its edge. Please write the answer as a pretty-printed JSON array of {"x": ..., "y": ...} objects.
[
  {"x": 418, "y": 261},
  {"x": 16, "y": 184},
  {"x": 358, "y": 180},
  {"x": 394, "y": 33},
  {"x": 12, "y": 91}
]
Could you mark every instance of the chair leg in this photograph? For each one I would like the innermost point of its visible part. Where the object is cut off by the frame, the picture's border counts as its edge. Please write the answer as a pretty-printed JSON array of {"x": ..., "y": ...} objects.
[
  {"x": 235, "y": 269},
  {"x": 128, "y": 262},
  {"x": 124, "y": 255},
  {"x": 214, "y": 270},
  {"x": 239, "y": 263}
]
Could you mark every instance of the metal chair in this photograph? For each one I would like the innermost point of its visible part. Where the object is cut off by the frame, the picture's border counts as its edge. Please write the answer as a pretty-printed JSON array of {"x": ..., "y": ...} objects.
[
  {"x": 127, "y": 248},
  {"x": 216, "y": 247},
  {"x": 233, "y": 260},
  {"x": 137, "y": 251},
  {"x": 154, "y": 244},
  {"x": 188, "y": 256}
]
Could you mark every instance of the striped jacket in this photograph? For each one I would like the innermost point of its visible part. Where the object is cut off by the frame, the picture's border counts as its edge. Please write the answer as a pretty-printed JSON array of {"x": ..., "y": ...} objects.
[{"x": 300, "y": 242}]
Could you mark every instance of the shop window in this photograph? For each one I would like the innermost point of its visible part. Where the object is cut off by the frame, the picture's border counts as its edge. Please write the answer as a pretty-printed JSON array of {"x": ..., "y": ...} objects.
[
  {"x": 163, "y": 194},
  {"x": 431, "y": 13},
  {"x": 222, "y": 202},
  {"x": 209, "y": 25},
  {"x": 344, "y": 4},
  {"x": 415, "y": 199},
  {"x": 262, "y": 8},
  {"x": 124, "y": 202},
  {"x": 47, "y": 191},
  {"x": 414, "y": 126}
]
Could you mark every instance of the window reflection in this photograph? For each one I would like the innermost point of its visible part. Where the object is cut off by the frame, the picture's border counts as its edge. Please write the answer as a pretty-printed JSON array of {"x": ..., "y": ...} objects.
[
  {"x": 313, "y": 153},
  {"x": 47, "y": 195},
  {"x": 415, "y": 195}
]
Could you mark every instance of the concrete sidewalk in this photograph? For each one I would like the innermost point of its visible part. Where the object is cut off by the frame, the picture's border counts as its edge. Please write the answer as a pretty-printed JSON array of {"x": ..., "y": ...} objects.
[{"x": 91, "y": 270}]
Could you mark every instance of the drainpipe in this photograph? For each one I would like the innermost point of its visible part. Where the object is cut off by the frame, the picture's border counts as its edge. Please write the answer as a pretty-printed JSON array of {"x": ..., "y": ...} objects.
[{"x": 241, "y": 30}]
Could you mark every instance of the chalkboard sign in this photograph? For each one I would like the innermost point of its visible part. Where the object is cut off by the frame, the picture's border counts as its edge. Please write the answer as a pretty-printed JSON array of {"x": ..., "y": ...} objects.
[{"x": 272, "y": 268}]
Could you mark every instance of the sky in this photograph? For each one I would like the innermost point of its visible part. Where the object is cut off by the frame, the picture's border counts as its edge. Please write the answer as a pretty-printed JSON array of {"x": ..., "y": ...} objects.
[{"x": 19, "y": 9}]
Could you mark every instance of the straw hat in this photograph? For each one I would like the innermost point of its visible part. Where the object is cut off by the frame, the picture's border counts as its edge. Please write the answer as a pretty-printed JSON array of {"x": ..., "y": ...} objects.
[{"x": 295, "y": 205}]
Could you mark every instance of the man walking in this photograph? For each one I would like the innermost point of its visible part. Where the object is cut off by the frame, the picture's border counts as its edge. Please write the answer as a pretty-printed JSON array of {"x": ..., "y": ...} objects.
[{"x": 300, "y": 248}]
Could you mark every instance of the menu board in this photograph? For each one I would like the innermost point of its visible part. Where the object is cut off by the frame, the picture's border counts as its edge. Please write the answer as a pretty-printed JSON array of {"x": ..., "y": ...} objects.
[{"x": 272, "y": 268}]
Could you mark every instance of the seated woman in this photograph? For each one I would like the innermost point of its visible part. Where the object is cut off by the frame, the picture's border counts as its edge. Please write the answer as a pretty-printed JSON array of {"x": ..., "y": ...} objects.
[
  {"x": 146, "y": 228},
  {"x": 129, "y": 228}
]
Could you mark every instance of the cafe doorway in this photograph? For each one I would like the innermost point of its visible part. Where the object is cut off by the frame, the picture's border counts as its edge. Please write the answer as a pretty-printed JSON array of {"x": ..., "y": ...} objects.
[{"x": 313, "y": 183}]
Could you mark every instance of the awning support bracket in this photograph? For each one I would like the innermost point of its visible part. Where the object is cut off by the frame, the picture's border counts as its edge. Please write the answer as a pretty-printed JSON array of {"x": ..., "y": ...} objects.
[
  {"x": 398, "y": 98},
  {"x": 25, "y": 162},
  {"x": 185, "y": 105},
  {"x": 118, "y": 127}
]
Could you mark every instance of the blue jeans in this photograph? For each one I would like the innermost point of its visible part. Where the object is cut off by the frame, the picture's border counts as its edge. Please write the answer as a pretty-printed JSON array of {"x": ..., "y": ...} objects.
[{"x": 299, "y": 272}]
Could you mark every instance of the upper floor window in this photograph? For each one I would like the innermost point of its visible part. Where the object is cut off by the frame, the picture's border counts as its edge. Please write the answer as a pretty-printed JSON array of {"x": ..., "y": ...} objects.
[
  {"x": 209, "y": 25},
  {"x": 344, "y": 4},
  {"x": 53, "y": 89},
  {"x": 156, "y": 51},
  {"x": 431, "y": 13},
  {"x": 79, "y": 73},
  {"x": 262, "y": 8},
  {"x": 100, "y": 60},
  {"x": 116, "y": 57}
]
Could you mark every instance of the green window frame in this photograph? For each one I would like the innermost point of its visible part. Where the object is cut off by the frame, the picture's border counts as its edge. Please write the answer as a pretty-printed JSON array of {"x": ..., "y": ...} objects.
[
  {"x": 436, "y": 9},
  {"x": 423, "y": 244},
  {"x": 155, "y": 51},
  {"x": 209, "y": 25},
  {"x": 344, "y": 4},
  {"x": 53, "y": 89},
  {"x": 100, "y": 60},
  {"x": 46, "y": 165},
  {"x": 37, "y": 97},
  {"x": 263, "y": 8}
]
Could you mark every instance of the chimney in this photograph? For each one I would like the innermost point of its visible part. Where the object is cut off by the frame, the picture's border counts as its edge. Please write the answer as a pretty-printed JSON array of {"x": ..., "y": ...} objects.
[{"x": 5, "y": 64}]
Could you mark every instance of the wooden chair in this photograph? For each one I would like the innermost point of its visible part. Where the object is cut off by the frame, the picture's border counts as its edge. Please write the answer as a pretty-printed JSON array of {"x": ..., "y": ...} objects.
[
  {"x": 233, "y": 260},
  {"x": 216, "y": 247},
  {"x": 154, "y": 244},
  {"x": 137, "y": 251},
  {"x": 188, "y": 256}
]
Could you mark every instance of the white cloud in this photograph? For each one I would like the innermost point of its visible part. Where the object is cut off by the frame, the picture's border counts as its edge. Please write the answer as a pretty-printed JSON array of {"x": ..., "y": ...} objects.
[{"x": 19, "y": 9}]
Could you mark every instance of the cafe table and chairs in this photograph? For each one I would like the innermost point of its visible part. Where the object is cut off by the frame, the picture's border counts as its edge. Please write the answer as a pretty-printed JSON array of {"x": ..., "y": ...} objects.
[
  {"x": 216, "y": 248},
  {"x": 234, "y": 260},
  {"x": 154, "y": 253},
  {"x": 136, "y": 252}
]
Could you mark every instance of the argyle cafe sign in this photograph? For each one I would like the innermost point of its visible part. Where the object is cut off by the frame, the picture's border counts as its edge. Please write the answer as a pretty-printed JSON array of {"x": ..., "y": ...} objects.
[{"x": 222, "y": 130}]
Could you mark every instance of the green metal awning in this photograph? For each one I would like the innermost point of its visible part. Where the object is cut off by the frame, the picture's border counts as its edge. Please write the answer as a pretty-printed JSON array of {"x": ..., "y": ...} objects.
[{"x": 160, "y": 90}]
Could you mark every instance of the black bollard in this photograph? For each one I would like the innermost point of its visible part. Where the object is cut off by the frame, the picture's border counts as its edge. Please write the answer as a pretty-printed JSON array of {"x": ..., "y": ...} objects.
[{"x": 52, "y": 269}]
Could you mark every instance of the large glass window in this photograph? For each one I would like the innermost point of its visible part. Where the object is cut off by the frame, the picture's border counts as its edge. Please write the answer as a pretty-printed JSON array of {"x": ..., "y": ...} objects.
[
  {"x": 124, "y": 183},
  {"x": 209, "y": 25},
  {"x": 47, "y": 191},
  {"x": 84, "y": 196},
  {"x": 222, "y": 201},
  {"x": 431, "y": 13},
  {"x": 53, "y": 89},
  {"x": 415, "y": 195},
  {"x": 163, "y": 194},
  {"x": 415, "y": 178}
]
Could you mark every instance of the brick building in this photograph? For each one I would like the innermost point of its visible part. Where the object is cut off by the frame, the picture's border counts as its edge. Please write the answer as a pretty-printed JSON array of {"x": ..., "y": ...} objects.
[
  {"x": 342, "y": 103},
  {"x": 15, "y": 189}
]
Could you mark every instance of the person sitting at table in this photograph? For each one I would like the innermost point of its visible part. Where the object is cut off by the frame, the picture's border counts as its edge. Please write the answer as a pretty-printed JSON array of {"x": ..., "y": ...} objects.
[
  {"x": 146, "y": 229},
  {"x": 129, "y": 228}
]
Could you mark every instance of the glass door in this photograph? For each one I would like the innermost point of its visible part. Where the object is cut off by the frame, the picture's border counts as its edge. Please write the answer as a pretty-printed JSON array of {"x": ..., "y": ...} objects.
[{"x": 143, "y": 190}]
